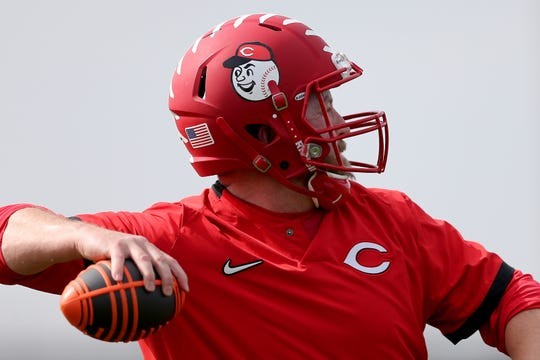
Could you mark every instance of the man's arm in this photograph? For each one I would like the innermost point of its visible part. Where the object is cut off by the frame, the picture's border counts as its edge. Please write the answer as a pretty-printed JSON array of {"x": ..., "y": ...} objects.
[
  {"x": 523, "y": 335},
  {"x": 35, "y": 239}
]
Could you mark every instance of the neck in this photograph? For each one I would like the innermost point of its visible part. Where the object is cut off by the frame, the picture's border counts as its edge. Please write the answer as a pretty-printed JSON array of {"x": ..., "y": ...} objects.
[{"x": 264, "y": 191}]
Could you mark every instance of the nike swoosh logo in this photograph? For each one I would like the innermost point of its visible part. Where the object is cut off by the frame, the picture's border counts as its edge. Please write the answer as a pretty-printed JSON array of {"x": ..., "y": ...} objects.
[{"x": 228, "y": 269}]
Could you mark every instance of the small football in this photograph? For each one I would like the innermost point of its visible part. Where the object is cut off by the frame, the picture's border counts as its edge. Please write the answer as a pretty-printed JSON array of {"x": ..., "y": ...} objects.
[{"x": 114, "y": 311}]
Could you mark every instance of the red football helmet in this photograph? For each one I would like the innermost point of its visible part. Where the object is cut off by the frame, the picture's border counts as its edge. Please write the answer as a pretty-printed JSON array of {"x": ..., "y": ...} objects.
[{"x": 261, "y": 70}]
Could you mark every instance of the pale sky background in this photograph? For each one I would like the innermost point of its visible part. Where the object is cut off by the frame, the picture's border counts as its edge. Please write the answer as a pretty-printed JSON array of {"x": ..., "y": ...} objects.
[{"x": 85, "y": 126}]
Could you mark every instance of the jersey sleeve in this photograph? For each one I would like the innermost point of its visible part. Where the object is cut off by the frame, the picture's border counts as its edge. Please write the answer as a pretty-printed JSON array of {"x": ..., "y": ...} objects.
[
  {"x": 523, "y": 293},
  {"x": 463, "y": 283},
  {"x": 160, "y": 223}
]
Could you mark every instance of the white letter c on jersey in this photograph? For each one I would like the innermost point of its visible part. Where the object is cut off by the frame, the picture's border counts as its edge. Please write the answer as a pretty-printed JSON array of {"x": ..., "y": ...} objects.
[{"x": 352, "y": 261}]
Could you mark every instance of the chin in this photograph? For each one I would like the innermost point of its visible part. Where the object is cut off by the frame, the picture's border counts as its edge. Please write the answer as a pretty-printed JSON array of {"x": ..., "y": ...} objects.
[
  {"x": 349, "y": 175},
  {"x": 345, "y": 162}
]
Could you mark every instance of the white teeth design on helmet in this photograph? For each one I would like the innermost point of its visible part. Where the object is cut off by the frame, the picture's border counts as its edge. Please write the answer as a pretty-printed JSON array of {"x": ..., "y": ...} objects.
[
  {"x": 217, "y": 28},
  {"x": 240, "y": 20},
  {"x": 171, "y": 92},
  {"x": 179, "y": 66},
  {"x": 196, "y": 45},
  {"x": 263, "y": 18}
]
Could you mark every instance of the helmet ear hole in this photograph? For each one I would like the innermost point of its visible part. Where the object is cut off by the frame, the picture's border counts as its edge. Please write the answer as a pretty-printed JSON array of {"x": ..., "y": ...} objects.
[
  {"x": 202, "y": 84},
  {"x": 261, "y": 132}
]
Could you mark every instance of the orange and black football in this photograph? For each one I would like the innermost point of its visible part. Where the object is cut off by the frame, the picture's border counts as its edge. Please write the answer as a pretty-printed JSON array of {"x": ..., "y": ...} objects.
[{"x": 118, "y": 311}]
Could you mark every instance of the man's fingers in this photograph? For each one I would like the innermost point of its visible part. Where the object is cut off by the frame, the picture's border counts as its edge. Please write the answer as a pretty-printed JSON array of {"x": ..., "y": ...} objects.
[
  {"x": 166, "y": 276},
  {"x": 169, "y": 269},
  {"x": 180, "y": 276},
  {"x": 102, "y": 243},
  {"x": 117, "y": 267},
  {"x": 144, "y": 264},
  {"x": 149, "y": 259}
]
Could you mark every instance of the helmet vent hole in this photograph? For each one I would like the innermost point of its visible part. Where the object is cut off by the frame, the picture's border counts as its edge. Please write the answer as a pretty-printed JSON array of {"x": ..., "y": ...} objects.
[
  {"x": 271, "y": 27},
  {"x": 202, "y": 85},
  {"x": 284, "y": 165}
]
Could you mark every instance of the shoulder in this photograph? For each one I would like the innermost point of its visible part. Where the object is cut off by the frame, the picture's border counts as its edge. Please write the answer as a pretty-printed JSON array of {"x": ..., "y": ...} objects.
[
  {"x": 189, "y": 204},
  {"x": 385, "y": 205},
  {"x": 382, "y": 197}
]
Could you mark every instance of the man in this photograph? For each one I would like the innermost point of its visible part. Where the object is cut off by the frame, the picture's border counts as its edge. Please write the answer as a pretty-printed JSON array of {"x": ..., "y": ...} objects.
[{"x": 287, "y": 256}]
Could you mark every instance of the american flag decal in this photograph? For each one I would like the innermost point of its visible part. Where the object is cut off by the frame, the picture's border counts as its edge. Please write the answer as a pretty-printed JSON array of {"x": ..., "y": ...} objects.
[{"x": 199, "y": 136}]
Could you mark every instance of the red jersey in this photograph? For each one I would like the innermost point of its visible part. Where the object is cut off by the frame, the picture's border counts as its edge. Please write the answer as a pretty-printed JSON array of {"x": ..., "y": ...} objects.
[{"x": 360, "y": 281}]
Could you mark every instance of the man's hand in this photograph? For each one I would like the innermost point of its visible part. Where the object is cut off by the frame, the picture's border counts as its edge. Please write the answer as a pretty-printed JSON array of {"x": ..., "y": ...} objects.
[{"x": 96, "y": 243}]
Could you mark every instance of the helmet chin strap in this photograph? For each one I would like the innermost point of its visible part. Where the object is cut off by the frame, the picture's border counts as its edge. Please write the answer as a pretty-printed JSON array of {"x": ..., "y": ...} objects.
[{"x": 333, "y": 187}]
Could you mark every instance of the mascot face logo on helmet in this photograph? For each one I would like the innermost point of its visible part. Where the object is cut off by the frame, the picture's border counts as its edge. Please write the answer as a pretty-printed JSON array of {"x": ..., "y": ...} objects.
[{"x": 252, "y": 67}]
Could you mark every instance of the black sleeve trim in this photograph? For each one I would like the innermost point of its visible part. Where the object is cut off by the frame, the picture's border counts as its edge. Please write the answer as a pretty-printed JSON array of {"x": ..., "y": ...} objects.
[{"x": 491, "y": 301}]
